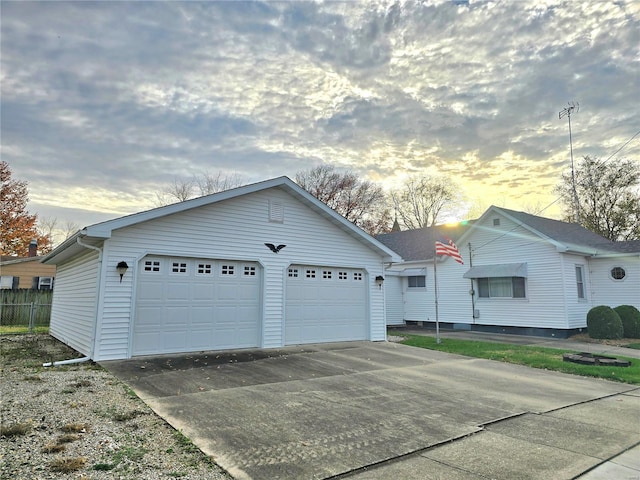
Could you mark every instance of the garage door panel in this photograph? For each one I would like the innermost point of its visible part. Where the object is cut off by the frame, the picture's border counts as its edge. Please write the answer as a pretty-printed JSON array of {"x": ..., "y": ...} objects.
[
  {"x": 330, "y": 306},
  {"x": 177, "y": 291},
  {"x": 203, "y": 291},
  {"x": 199, "y": 307}
]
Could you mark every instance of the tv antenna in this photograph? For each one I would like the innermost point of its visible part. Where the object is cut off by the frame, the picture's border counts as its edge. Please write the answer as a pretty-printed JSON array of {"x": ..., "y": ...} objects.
[{"x": 573, "y": 107}]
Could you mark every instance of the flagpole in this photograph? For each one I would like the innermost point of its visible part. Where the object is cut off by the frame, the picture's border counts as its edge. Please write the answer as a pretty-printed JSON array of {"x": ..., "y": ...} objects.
[{"x": 435, "y": 292}]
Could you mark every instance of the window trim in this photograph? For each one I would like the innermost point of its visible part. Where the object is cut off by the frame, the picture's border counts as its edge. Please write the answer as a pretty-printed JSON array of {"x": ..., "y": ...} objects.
[
  {"x": 619, "y": 269},
  {"x": 485, "y": 287},
  {"x": 415, "y": 287},
  {"x": 580, "y": 282}
]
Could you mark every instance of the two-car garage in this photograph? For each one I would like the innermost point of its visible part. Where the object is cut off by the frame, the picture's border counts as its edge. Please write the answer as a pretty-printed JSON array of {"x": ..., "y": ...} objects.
[
  {"x": 187, "y": 304},
  {"x": 204, "y": 274}
]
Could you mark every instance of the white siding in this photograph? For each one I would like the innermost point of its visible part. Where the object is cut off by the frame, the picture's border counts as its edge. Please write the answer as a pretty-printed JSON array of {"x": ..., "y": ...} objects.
[
  {"x": 74, "y": 301},
  {"x": 607, "y": 291},
  {"x": 234, "y": 229},
  {"x": 576, "y": 309},
  {"x": 393, "y": 299},
  {"x": 544, "y": 305}
]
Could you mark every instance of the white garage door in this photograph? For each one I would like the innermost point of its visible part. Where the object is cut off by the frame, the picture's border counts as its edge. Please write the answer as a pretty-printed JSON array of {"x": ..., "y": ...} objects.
[
  {"x": 325, "y": 304},
  {"x": 186, "y": 305}
]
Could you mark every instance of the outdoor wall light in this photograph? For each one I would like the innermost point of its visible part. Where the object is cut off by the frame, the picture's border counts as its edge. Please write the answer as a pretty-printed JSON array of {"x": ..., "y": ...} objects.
[
  {"x": 379, "y": 281},
  {"x": 122, "y": 269}
]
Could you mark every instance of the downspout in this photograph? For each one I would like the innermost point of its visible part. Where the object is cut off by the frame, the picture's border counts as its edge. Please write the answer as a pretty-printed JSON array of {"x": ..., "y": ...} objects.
[
  {"x": 95, "y": 323},
  {"x": 472, "y": 291}
]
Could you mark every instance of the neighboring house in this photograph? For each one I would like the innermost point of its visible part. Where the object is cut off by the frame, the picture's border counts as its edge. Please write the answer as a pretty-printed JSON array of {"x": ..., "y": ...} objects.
[
  {"x": 522, "y": 274},
  {"x": 200, "y": 275},
  {"x": 26, "y": 272}
]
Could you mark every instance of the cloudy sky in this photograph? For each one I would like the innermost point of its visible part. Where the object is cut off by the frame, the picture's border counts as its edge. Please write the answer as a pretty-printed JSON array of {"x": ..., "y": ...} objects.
[{"x": 105, "y": 103}]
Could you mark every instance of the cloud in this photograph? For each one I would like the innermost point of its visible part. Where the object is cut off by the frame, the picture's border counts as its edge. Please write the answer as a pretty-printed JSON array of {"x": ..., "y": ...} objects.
[{"x": 111, "y": 100}]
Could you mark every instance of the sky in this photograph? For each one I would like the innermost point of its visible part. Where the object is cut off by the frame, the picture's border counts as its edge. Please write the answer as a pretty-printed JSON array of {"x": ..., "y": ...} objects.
[{"x": 103, "y": 104}]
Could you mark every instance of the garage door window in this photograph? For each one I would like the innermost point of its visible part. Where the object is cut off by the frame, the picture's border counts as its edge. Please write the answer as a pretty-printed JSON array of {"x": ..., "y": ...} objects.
[
  {"x": 311, "y": 273},
  {"x": 227, "y": 270},
  {"x": 343, "y": 276},
  {"x": 249, "y": 271},
  {"x": 293, "y": 273},
  {"x": 179, "y": 267},
  {"x": 357, "y": 276},
  {"x": 327, "y": 274},
  {"x": 152, "y": 266},
  {"x": 204, "y": 269}
]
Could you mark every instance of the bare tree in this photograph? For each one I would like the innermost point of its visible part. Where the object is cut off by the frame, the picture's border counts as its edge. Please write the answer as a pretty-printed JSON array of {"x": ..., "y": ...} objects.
[
  {"x": 208, "y": 183},
  {"x": 362, "y": 202},
  {"x": 423, "y": 200},
  {"x": 608, "y": 197},
  {"x": 184, "y": 189},
  {"x": 49, "y": 227}
]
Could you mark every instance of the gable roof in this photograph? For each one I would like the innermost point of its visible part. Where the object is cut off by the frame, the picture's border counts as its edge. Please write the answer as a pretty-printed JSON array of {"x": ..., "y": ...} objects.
[
  {"x": 95, "y": 234},
  {"x": 419, "y": 244},
  {"x": 566, "y": 237}
]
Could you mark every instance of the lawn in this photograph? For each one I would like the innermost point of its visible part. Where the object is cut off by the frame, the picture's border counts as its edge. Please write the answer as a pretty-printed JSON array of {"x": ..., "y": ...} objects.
[
  {"x": 535, "y": 357},
  {"x": 20, "y": 330}
]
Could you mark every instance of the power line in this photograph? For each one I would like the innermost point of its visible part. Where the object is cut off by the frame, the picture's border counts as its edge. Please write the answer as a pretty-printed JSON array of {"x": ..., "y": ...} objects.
[{"x": 558, "y": 198}]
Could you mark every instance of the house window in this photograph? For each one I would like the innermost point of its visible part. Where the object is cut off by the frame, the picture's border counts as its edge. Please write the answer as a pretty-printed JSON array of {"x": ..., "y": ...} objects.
[
  {"x": 580, "y": 280},
  {"x": 293, "y": 272},
  {"x": 618, "y": 273},
  {"x": 501, "y": 287},
  {"x": 179, "y": 267},
  {"x": 417, "y": 281},
  {"x": 357, "y": 276},
  {"x": 249, "y": 271},
  {"x": 45, "y": 283},
  {"x": 496, "y": 222},
  {"x": 326, "y": 274},
  {"x": 151, "y": 265},
  {"x": 204, "y": 269},
  {"x": 311, "y": 273},
  {"x": 227, "y": 270},
  {"x": 343, "y": 276},
  {"x": 7, "y": 282}
]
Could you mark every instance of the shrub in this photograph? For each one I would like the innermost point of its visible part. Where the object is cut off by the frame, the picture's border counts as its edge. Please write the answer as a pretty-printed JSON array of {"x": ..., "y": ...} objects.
[
  {"x": 630, "y": 317},
  {"x": 604, "y": 322}
]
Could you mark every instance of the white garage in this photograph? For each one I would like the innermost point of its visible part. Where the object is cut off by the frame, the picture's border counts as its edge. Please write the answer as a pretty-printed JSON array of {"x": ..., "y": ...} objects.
[
  {"x": 184, "y": 304},
  {"x": 325, "y": 304},
  {"x": 263, "y": 265}
]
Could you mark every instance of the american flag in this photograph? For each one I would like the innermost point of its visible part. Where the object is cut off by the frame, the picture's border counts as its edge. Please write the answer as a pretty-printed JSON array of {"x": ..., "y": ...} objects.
[{"x": 449, "y": 248}]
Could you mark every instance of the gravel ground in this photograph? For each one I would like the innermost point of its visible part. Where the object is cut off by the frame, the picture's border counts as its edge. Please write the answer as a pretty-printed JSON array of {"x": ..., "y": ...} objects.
[{"x": 80, "y": 422}]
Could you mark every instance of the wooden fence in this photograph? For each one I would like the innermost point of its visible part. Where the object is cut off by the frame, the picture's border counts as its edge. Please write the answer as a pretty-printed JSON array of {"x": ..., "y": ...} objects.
[{"x": 28, "y": 308}]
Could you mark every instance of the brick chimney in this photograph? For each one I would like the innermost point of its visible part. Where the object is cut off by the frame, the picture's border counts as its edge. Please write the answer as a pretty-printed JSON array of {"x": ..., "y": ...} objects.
[{"x": 33, "y": 248}]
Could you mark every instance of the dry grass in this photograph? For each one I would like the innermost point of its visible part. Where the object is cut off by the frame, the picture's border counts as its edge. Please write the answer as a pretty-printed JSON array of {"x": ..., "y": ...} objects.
[
  {"x": 68, "y": 438},
  {"x": 66, "y": 465},
  {"x": 75, "y": 428},
  {"x": 53, "y": 448},
  {"x": 15, "y": 430}
]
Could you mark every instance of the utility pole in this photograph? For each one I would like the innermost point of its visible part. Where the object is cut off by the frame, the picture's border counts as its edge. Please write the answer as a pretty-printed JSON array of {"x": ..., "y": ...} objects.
[{"x": 566, "y": 112}]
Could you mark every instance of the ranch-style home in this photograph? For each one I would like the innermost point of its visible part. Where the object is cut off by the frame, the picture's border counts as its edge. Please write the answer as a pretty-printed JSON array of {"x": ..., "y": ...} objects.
[
  {"x": 263, "y": 265},
  {"x": 521, "y": 274}
]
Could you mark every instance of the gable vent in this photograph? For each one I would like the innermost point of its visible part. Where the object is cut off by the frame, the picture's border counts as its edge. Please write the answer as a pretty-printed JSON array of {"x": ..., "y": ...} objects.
[
  {"x": 276, "y": 212},
  {"x": 496, "y": 222}
]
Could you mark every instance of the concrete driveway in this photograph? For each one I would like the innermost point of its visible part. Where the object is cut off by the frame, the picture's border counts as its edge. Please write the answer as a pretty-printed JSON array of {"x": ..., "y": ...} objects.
[{"x": 386, "y": 411}]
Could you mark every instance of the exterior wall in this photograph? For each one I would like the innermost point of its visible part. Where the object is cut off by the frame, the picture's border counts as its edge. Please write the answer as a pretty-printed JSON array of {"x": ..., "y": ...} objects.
[
  {"x": 393, "y": 299},
  {"x": 546, "y": 287},
  {"x": 235, "y": 229},
  {"x": 27, "y": 270},
  {"x": 607, "y": 291},
  {"x": 576, "y": 308},
  {"x": 74, "y": 302}
]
